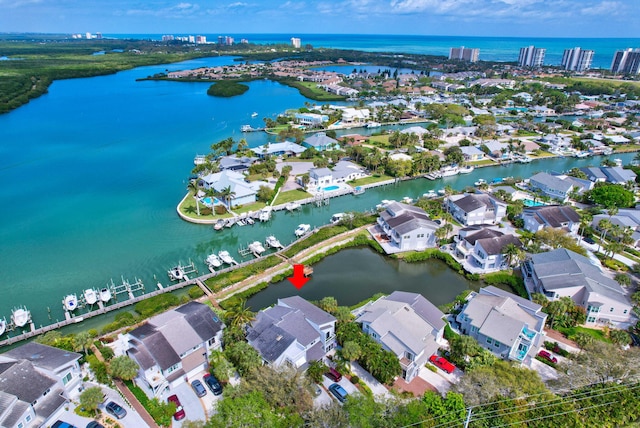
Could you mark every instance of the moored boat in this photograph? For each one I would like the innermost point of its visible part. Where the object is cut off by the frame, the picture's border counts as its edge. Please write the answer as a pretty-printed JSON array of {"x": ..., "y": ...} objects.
[
  {"x": 466, "y": 169},
  {"x": 219, "y": 225},
  {"x": 20, "y": 316},
  {"x": 480, "y": 182},
  {"x": 70, "y": 302},
  {"x": 265, "y": 214},
  {"x": 336, "y": 218},
  {"x": 90, "y": 296},
  {"x": 3, "y": 326},
  {"x": 256, "y": 248},
  {"x": 302, "y": 229},
  {"x": 213, "y": 260},
  {"x": 176, "y": 273},
  {"x": 449, "y": 171},
  {"x": 105, "y": 294},
  {"x": 272, "y": 242},
  {"x": 226, "y": 257},
  {"x": 292, "y": 206}
]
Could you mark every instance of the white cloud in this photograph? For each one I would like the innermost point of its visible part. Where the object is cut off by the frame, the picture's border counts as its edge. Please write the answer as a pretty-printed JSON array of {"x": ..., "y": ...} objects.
[
  {"x": 179, "y": 10},
  {"x": 605, "y": 7}
]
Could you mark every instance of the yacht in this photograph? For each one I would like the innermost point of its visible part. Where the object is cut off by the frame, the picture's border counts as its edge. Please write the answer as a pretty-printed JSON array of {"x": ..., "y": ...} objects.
[
  {"x": 199, "y": 160},
  {"x": 336, "y": 218},
  {"x": 302, "y": 229},
  {"x": 358, "y": 190},
  {"x": 246, "y": 128},
  {"x": 265, "y": 214},
  {"x": 20, "y": 316},
  {"x": 176, "y": 273},
  {"x": 105, "y": 294},
  {"x": 407, "y": 200},
  {"x": 430, "y": 194},
  {"x": 219, "y": 225},
  {"x": 466, "y": 169},
  {"x": 254, "y": 114},
  {"x": 256, "y": 248},
  {"x": 3, "y": 326},
  {"x": 70, "y": 302},
  {"x": 449, "y": 171},
  {"x": 433, "y": 175},
  {"x": 373, "y": 125},
  {"x": 249, "y": 220},
  {"x": 582, "y": 154},
  {"x": 480, "y": 182},
  {"x": 213, "y": 260},
  {"x": 90, "y": 296},
  {"x": 225, "y": 257},
  {"x": 272, "y": 242}
]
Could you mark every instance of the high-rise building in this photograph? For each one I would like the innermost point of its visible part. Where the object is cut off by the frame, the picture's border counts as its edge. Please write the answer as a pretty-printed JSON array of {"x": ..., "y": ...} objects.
[
  {"x": 626, "y": 61},
  {"x": 296, "y": 42},
  {"x": 577, "y": 59},
  {"x": 531, "y": 56},
  {"x": 201, "y": 39},
  {"x": 464, "y": 54}
]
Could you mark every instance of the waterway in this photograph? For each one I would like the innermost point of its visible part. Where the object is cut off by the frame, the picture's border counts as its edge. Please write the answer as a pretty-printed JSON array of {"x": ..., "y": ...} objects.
[{"x": 91, "y": 172}]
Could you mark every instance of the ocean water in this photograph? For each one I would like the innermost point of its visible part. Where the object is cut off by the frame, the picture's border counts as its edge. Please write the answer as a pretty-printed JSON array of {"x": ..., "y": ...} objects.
[
  {"x": 503, "y": 49},
  {"x": 91, "y": 173}
]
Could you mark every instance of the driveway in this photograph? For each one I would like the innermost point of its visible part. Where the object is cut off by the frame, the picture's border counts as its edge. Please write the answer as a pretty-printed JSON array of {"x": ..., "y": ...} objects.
[
  {"x": 131, "y": 420},
  {"x": 345, "y": 383},
  {"x": 193, "y": 407},
  {"x": 322, "y": 400},
  {"x": 440, "y": 380},
  {"x": 376, "y": 387}
]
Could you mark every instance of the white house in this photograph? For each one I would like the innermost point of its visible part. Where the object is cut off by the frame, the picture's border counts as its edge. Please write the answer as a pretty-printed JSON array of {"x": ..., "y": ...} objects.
[
  {"x": 243, "y": 192},
  {"x": 482, "y": 249},
  {"x": 554, "y": 216},
  {"x": 476, "y": 208},
  {"x": 407, "y": 228}
]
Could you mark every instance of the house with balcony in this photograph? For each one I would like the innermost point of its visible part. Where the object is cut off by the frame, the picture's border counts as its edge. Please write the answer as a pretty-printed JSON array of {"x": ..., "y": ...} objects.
[
  {"x": 342, "y": 172},
  {"x": 284, "y": 149},
  {"x": 564, "y": 273},
  {"x": 404, "y": 228},
  {"x": 294, "y": 332},
  {"x": 476, "y": 208},
  {"x": 36, "y": 382},
  {"x": 507, "y": 325},
  {"x": 482, "y": 249},
  {"x": 406, "y": 324},
  {"x": 554, "y": 216},
  {"x": 173, "y": 346},
  {"x": 321, "y": 142},
  {"x": 552, "y": 186}
]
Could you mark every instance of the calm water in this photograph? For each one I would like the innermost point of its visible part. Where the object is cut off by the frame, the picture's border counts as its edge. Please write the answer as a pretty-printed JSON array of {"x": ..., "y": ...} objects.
[
  {"x": 356, "y": 274},
  {"x": 90, "y": 175},
  {"x": 504, "y": 49}
]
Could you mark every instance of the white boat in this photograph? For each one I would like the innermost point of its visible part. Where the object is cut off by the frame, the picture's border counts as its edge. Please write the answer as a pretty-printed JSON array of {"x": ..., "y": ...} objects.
[
  {"x": 176, "y": 273},
  {"x": 199, "y": 160},
  {"x": 449, "y": 171},
  {"x": 433, "y": 175},
  {"x": 254, "y": 114},
  {"x": 373, "y": 125},
  {"x": 90, "y": 296},
  {"x": 618, "y": 162},
  {"x": 407, "y": 200},
  {"x": 480, "y": 182},
  {"x": 246, "y": 128},
  {"x": 225, "y": 257},
  {"x": 3, "y": 326},
  {"x": 292, "y": 206},
  {"x": 524, "y": 159},
  {"x": 302, "y": 229},
  {"x": 441, "y": 191},
  {"x": 219, "y": 225},
  {"x": 582, "y": 154},
  {"x": 336, "y": 218},
  {"x": 256, "y": 248},
  {"x": 20, "y": 316},
  {"x": 466, "y": 169},
  {"x": 213, "y": 260},
  {"x": 272, "y": 242},
  {"x": 265, "y": 214},
  {"x": 105, "y": 294},
  {"x": 430, "y": 194},
  {"x": 249, "y": 220},
  {"x": 358, "y": 190},
  {"x": 70, "y": 302},
  {"x": 241, "y": 222}
]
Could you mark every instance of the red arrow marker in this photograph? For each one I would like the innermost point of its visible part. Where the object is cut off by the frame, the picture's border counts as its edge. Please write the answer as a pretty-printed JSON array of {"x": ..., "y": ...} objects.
[{"x": 298, "y": 279}]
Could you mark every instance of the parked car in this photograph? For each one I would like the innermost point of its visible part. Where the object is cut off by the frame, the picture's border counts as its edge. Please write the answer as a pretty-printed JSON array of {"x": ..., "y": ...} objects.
[
  {"x": 442, "y": 363},
  {"x": 547, "y": 356},
  {"x": 589, "y": 240},
  {"x": 213, "y": 384},
  {"x": 339, "y": 392},
  {"x": 95, "y": 424},
  {"x": 115, "y": 409},
  {"x": 61, "y": 424},
  {"x": 179, "y": 414},
  {"x": 198, "y": 388},
  {"x": 333, "y": 374}
]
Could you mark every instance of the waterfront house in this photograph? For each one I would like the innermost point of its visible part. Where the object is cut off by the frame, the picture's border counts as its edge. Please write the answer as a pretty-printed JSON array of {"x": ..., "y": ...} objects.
[
  {"x": 321, "y": 142},
  {"x": 293, "y": 332},
  {"x": 243, "y": 192},
  {"x": 552, "y": 186},
  {"x": 497, "y": 149},
  {"x": 311, "y": 119},
  {"x": 555, "y": 216},
  {"x": 405, "y": 228},
  {"x": 476, "y": 208},
  {"x": 482, "y": 249},
  {"x": 406, "y": 324},
  {"x": 173, "y": 346},
  {"x": 353, "y": 116},
  {"x": 507, "y": 325},
  {"x": 285, "y": 149},
  {"x": 235, "y": 163},
  {"x": 559, "y": 273},
  {"x": 36, "y": 383},
  {"x": 342, "y": 172},
  {"x": 614, "y": 175},
  {"x": 472, "y": 153}
]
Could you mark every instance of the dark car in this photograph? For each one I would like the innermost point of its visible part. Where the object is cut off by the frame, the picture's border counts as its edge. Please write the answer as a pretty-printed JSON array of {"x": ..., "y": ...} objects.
[
  {"x": 61, "y": 424},
  {"x": 339, "y": 392},
  {"x": 547, "y": 356},
  {"x": 333, "y": 374},
  {"x": 442, "y": 363},
  {"x": 589, "y": 240},
  {"x": 198, "y": 388},
  {"x": 115, "y": 409},
  {"x": 213, "y": 384},
  {"x": 95, "y": 424},
  {"x": 179, "y": 414}
]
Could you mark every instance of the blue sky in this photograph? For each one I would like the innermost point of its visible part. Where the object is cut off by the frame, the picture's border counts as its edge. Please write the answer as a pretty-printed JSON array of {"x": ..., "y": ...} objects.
[{"x": 527, "y": 18}]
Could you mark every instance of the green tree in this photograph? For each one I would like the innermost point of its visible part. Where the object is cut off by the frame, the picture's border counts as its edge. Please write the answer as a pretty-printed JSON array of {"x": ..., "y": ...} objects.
[
  {"x": 316, "y": 370},
  {"x": 620, "y": 337},
  {"x": 91, "y": 398},
  {"x": 239, "y": 315},
  {"x": 123, "y": 367},
  {"x": 194, "y": 188},
  {"x": 243, "y": 356},
  {"x": 161, "y": 412},
  {"x": 283, "y": 388},
  {"x": 82, "y": 341},
  {"x": 351, "y": 351},
  {"x": 265, "y": 194},
  {"x": 611, "y": 195},
  {"x": 243, "y": 410},
  {"x": 221, "y": 367},
  {"x": 227, "y": 195},
  {"x": 328, "y": 304}
]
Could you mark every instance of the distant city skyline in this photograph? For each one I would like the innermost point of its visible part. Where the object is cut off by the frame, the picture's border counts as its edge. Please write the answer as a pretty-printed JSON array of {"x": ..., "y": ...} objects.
[{"x": 482, "y": 18}]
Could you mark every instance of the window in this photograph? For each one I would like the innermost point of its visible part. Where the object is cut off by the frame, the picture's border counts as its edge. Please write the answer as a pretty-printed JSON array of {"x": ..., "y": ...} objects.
[
  {"x": 625, "y": 311},
  {"x": 496, "y": 344},
  {"x": 591, "y": 319},
  {"x": 474, "y": 328},
  {"x": 28, "y": 418},
  {"x": 173, "y": 368},
  {"x": 611, "y": 310},
  {"x": 67, "y": 378},
  {"x": 489, "y": 341}
]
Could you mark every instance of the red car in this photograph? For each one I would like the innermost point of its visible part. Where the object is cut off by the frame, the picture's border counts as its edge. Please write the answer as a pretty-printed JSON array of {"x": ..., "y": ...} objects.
[
  {"x": 547, "y": 356},
  {"x": 442, "y": 363},
  {"x": 179, "y": 414}
]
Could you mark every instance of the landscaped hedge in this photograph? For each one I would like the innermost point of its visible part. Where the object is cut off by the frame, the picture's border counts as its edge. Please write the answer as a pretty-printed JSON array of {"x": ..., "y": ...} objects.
[
  {"x": 516, "y": 283},
  {"x": 317, "y": 237},
  {"x": 156, "y": 304},
  {"x": 434, "y": 253},
  {"x": 244, "y": 295}
]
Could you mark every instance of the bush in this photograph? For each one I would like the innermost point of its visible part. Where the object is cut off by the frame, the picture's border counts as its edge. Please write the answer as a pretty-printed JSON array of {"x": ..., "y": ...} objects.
[
  {"x": 516, "y": 283},
  {"x": 156, "y": 304},
  {"x": 238, "y": 298},
  {"x": 355, "y": 380},
  {"x": 99, "y": 369},
  {"x": 449, "y": 334},
  {"x": 220, "y": 209},
  {"x": 431, "y": 367},
  {"x": 555, "y": 348},
  {"x": 195, "y": 292},
  {"x": 434, "y": 253}
]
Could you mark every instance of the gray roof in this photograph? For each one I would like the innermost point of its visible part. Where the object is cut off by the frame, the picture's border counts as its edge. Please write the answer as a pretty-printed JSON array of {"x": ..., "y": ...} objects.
[
  {"x": 483, "y": 233},
  {"x": 204, "y": 322},
  {"x": 594, "y": 171},
  {"x": 50, "y": 404},
  {"x": 156, "y": 345},
  {"x": 311, "y": 311},
  {"x": 553, "y": 215},
  {"x": 11, "y": 410},
  {"x": 617, "y": 174},
  {"x": 474, "y": 201},
  {"x": 271, "y": 342},
  {"x": 427, "y": 310},
  {"x": 496, "y": 244},
  {"x": 563, "y": 268},
  {"x": 235, "y": 162},
  {"x": 405, "y": 218},
  {"x": 320, "y": 139},
  {"x": 46, "y": 357},
  {"x": 551, "y": 181},
  {"x": 25, "y": 382},
  {"x": 142, "y": 357}
]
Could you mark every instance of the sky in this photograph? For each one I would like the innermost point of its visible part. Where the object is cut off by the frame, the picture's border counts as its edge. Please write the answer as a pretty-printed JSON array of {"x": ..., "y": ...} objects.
[{"x": 514, "y": 18}]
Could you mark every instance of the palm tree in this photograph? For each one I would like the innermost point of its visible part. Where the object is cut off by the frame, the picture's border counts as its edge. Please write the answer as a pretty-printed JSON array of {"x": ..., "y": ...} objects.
[
  {"x": 604, "y": 225},
  {"x": 227, "y": 195},
  {"x": 193, "y": 187},
  {"x": 513, "y": 254},
  {"x": 585, "y": 220},
  {"x": 239, "y": 315}
]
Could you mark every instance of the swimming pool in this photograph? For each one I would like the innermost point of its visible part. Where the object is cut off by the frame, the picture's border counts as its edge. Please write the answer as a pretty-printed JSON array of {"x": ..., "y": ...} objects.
[
  {"x": 207, "y": 201},
  {"x": 531, "y": 203},
  {"x": 330, "y": 188}
]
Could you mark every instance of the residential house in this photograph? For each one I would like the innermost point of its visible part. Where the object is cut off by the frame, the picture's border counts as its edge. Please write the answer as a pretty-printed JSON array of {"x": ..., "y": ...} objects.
[
  {"x": 552, "y": 186},
  {"x": 472, "y": 153},
  {"x": 343, "y": 171},
  {"x": 619, "y": 175},
  {"x": 564, "y": 273},
  {"x": 497, "y": 149},
  {"x": 36, "y": 382},
  {"x": 353, "y": 139},
  {"x": 321, "y": 142},
  {"x": 311, "y": 119},
  {"x": 406, "y": 324},
  {"x": 482, "y": 249},
  {"x": 476, "y": 208},
  {"x": 235, "y": 163},
  {"x": 243, "y": 192},
  {"x": 407, "y": 228},
  {"x": 355, "y": 116},
  {"x": 624, "y": 218},
  {"x": 285, "y": 148},
  {"x": 554, "y": 216},
  {"x": 173, "y": 346},
  {"x": 595, "y": 174},
  {"x": 507, "y": 325},
  {"x": 294, "y": 332}
]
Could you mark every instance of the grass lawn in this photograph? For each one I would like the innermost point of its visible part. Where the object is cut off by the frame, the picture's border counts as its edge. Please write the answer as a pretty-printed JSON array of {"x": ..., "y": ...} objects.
[
  {"x": 291, "y": 196},
  {"x": 482, "y": 162},
  {"x": 188, "y": 208},
  {"x": 572, "y": 331},
  {"x": 371, "y": 179},
  {"x": 260, "y": 177},
  {"x": 381, "y": 141},
  {"x": 522, "y": 133},
  {"x": 256, "y": 206},
  {"x": 627, "y": 148},
  {"x": 542, "y": 155}
]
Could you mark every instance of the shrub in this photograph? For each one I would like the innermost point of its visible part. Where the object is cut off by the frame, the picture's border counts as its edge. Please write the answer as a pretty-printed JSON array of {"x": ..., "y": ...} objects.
[
  {"x": 156, "y": 304},
  {"x": 355, "y": 380},
  {"x": 195, "y": 292},
  {"x": 449, "y": 334},
  {"x": 431, "y": 367},
  {"x": 99, "y": 369},
  {"x": 220, "y": 209},
  {"x": 516, "y": 283}
]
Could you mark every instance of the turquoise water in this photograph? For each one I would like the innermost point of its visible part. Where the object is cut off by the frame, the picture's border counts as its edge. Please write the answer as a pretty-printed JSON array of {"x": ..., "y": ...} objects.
[
  {"x": 329, "y": 188},
  {"x": 91, "y": 172},
  {"x": 532, "y": 203},
  {"x": 207, "y": 200}
]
